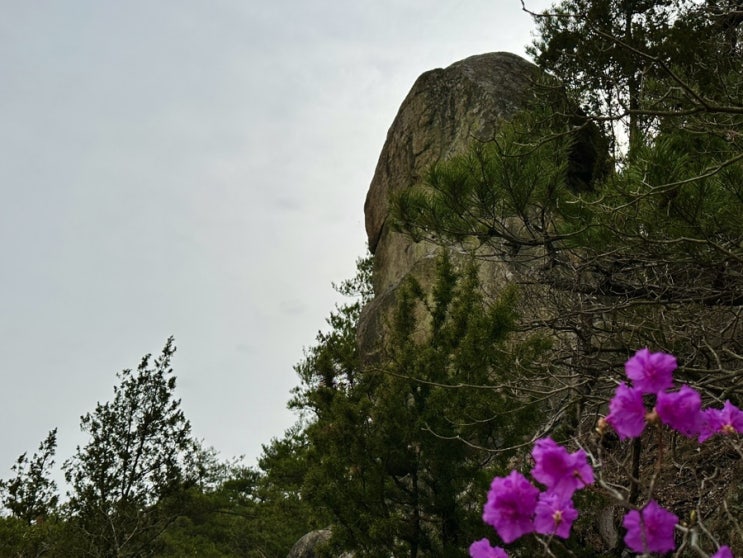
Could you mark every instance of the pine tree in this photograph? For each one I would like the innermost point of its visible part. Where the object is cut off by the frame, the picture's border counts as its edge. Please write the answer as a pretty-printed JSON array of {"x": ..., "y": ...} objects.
[
  {"x": 397, "y": 449},
  {"x": 139, "y": 455}
]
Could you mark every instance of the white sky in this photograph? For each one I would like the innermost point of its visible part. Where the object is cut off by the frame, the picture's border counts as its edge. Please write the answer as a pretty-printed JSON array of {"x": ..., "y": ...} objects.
[{"x": 195, "y": 168}]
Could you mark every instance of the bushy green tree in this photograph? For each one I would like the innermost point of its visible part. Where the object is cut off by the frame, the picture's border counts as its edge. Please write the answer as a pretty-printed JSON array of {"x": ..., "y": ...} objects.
[
  {"x": 643, "y": 66},
  {"x": 283, "y": 516},
  {"x": 577, "y": 41},
  {"x": 396, "y": 445},
  {"x": 51, "y": 538},
  {"x": 139, "y": 456},
  {"x": 332, "y": 402},
  {"x": 251, "y": 512}
]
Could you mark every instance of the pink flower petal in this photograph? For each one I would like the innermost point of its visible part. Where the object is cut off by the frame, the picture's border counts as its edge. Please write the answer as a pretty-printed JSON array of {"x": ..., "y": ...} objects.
[
  {"x": 651, "y": 372},
  {"x": 650, "y": 530},
  {"x": 510, "y": 506},
  {"x": 627, "y": 412}
]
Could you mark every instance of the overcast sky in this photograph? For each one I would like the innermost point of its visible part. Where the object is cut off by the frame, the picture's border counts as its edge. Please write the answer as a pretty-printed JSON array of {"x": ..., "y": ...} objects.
[{"x": 195, "y": 168}]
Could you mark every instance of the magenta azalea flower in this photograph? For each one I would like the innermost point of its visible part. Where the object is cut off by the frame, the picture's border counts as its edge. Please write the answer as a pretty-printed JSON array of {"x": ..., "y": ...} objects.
[
  {"x": 510, "y": 506},
  {"x": 650, "y": 530},
  {"x": 727, "y": 420},
  {"x": 554, "y": 515},
  {"x": 627, "y": 412},
  {"x": 651, "y": 372},
  {"x": 724, "y": 552},
  {"x": 482, "y": 549},
  {"x": 681, "y": 410},
  {"x": 562, "y": 472}
]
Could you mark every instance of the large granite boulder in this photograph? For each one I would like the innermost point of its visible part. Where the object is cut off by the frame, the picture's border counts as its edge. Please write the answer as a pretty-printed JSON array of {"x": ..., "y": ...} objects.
[{"x": 444, "y": 113}]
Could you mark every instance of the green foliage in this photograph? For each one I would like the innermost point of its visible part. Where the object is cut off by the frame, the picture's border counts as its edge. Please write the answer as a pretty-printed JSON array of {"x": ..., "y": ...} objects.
[
  {"x": 578, "y": 41},
  {"x": 142, "y": 486},
  {"x": 395, "y": 447},
  {"x": 284, "y": 515},
  {"x": 510, "y": 190},
  {"x": 642, "y": 67},
  {"x": 244, "y": 511},
  {"x": 360, "y": 285},
  {"x": 36, "y": 526},
  {"x": 139, "y": 455},
  {"x": 332, "y": 364},
  {"x": 32, "y": 495},
  {"x": 52, "y": 538},
  {"x": 670, "y": 192},
  {"x": 447, "y": 390}
]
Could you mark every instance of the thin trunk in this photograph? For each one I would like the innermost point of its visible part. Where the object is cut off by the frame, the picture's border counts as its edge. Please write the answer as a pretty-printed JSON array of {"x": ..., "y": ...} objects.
[
  {"x": 634, "y": 491},
  {"x": 415, "y": 539}
]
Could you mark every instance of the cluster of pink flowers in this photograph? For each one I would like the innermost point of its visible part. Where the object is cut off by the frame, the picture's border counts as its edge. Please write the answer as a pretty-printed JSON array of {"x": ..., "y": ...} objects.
[
  {"x": 652, "y": 375},
  {"x": 651, "y": 530},
  {"x": 515, "y": 507}
]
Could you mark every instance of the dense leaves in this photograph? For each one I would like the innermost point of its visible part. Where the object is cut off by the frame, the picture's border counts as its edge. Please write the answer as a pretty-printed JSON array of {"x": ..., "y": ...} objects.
[
  {"x": 244, "y": 511},
  {"x": 396, "y": 444},
  {"x": 639, "y": 66},
  {"x": 140, "y": 453}
]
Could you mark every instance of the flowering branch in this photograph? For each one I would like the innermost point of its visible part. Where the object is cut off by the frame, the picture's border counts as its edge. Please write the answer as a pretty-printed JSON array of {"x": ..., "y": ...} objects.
[{"x": 515, "y": 507}]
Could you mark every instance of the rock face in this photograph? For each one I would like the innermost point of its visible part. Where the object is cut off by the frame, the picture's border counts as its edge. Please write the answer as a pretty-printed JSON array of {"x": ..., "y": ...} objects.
[
  {"x": 307, "y": 546},
  {"x": 444, "y": 113}
]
